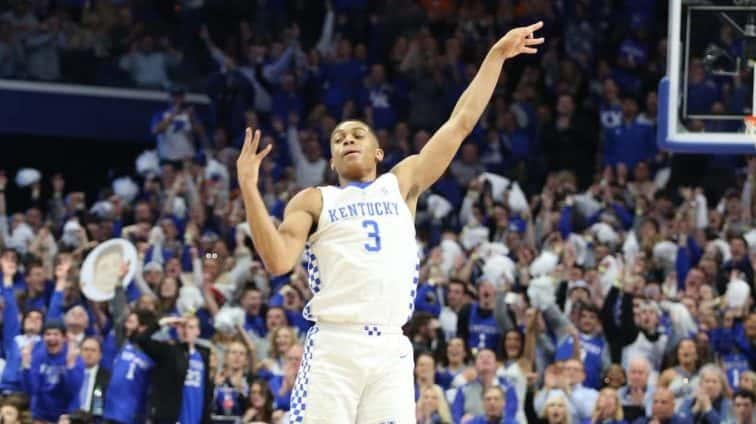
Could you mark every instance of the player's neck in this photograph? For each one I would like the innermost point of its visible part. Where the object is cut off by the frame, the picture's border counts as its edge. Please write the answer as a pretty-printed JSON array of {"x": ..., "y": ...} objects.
[{"x": 364, "y": 179}]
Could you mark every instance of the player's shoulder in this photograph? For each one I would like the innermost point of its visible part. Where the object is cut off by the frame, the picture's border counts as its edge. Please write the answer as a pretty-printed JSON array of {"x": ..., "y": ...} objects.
[{"x": 307, "y": 200}]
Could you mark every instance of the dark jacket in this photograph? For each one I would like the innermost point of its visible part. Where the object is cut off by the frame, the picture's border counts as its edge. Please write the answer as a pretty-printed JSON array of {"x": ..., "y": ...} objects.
[
  {"x": 169, "y": 374},
  {"x": 102, "y": 379}
]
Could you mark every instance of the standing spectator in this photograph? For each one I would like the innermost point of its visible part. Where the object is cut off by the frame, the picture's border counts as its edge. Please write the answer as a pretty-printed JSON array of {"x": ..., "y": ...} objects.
[
  {"x": 181, "y": 385},
  {"x": 630, "y": 142},
  {"x": 42, "y": 50},
  {"x": 14, "y": 341},
  {"x": 53, "y": 373},
  {"x": 570, "y": 142},
  {"x": 127, "y": 391},
  {"x": 305, "y": 151},
  {"x": 477, "y": 323},
  {"x": 94, "y": 387},
  {"x": 176, "y": 129},
  {"x": 455, "y": 300},
  {"x": 149, "y": 67}
]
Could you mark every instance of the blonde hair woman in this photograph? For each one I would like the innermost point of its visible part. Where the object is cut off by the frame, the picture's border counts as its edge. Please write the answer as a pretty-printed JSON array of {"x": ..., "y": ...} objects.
[
  {"x": 747, "y": 381},
  {"x": 608, "y": 409},
  {"x": 280, "y": 340},
  {"x": 432, "y": 407},
  {"x": 711, "y": 397},
  {"x": 557, "y": 410}
]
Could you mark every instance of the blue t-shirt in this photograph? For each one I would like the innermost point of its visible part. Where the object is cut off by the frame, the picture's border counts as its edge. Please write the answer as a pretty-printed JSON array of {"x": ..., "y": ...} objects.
[
  {"x": 591, "y": 351},
  {"x": 484, "y": 333},
  {"x": 127, "y": 390},
  {"x": 191, "y": 402}
]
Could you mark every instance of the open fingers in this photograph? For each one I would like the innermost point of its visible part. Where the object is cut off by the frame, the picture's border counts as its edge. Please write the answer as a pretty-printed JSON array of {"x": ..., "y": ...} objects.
[
  {"x": 533, "y": 41},
  {"x": 247, "y": 141},
  {"x": 534, "y": 27},
  {"x": 255, "y": 141},
  {"x": 264, "y": 152},
  {"x": 529, "y": 50}
]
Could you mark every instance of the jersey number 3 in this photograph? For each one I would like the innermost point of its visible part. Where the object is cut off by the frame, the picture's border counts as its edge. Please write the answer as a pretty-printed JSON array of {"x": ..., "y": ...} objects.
[{"x": 374, "y": 234}]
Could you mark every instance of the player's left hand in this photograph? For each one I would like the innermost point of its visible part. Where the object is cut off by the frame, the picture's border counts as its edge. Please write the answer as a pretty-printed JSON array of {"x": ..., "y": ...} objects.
[{"x": 519, "y": 41}]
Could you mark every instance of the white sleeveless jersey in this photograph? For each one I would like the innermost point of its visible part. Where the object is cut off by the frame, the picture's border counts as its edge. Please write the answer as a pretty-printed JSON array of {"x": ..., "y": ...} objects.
[{"x": 362, "y": 261}]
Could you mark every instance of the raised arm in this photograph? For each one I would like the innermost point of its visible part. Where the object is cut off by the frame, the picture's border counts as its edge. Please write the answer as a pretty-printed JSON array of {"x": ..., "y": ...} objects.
[
  {"x": 418, "y": 172},
  {"x": 281, "y": 247}
]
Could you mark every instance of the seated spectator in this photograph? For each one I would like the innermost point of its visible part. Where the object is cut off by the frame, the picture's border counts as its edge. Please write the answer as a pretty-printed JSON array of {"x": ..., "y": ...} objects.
[
  {"x": 663, "y": 410},
  {"x": 608, "y": 408},
  {"x": 743, "y": 406},
  {"x": 556, "y": 410},
  {"x": 260, "y": 403},
  {"x": 494, "y": 400},
  {"x": 637, "y": 396},
  {"x": 282, "y": 385},
  {"x": 710, "y": 402},
  {"x": 468, "y": 401},
  {"x": 432, "y": 407}
]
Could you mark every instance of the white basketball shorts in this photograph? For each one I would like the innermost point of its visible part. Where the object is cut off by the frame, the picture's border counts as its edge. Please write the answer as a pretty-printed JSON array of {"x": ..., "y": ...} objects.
[{"x": 354, "y": 374}]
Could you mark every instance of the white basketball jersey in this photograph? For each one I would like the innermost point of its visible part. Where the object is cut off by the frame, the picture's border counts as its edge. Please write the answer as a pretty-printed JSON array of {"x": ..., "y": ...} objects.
[{"x": 362, "y": 261}]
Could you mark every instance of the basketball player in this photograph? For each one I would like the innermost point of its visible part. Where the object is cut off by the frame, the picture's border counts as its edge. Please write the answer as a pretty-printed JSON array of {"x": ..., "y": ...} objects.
[{"x": 359, "y": 243}]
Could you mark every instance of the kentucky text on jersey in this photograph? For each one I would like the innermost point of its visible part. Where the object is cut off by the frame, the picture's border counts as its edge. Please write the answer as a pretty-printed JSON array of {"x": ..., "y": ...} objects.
[{"x": 363, "y": 209}]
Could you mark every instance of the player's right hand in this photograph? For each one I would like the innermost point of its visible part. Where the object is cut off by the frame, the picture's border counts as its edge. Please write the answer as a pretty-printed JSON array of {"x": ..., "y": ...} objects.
[{"x": 248, "y": 164}]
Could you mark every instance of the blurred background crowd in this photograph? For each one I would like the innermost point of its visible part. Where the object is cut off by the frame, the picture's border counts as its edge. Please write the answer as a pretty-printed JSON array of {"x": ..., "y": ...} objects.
[{"x": 571, "y": 272}]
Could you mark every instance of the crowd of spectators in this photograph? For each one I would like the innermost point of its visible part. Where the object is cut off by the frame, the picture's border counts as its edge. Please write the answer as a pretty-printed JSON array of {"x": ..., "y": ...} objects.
[{"x": 571, "y": 273}]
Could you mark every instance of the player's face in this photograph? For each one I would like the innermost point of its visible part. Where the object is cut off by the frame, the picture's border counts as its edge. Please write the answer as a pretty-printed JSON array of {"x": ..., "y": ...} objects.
[
  {"x": 354, "y": 150},
  {"x": 33, "y": 323}
]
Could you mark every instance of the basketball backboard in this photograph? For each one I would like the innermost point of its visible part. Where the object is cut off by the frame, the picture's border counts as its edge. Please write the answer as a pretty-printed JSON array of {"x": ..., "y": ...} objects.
[{"x": 708, "y": 94}]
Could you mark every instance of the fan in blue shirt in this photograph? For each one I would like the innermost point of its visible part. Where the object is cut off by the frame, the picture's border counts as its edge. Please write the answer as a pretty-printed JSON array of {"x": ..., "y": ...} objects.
[
  {"x": 13, "y": 340},
  {"x": 53, "y": 373},
  {"x": 494, "y": 400},
  {"x": 129, "y": 380}
]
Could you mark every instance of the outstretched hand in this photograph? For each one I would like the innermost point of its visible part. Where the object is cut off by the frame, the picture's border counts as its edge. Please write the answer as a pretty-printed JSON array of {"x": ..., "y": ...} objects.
[
  {"x": 248, "y": 164},
  {"x": 519, "y": 41}
]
